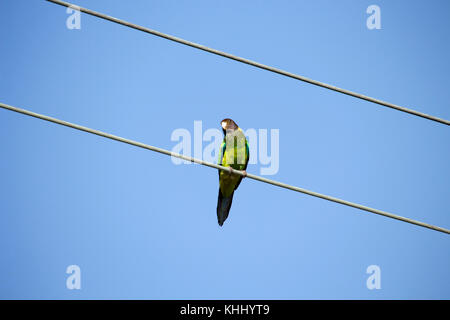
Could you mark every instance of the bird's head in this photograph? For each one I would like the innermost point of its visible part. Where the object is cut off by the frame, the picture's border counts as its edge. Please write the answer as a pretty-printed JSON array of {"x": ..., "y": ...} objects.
[{"x": 228, "y": 124}]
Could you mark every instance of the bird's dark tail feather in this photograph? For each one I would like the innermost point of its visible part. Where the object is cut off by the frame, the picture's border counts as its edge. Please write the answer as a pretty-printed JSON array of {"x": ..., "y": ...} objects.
[{"x": 223, "y": 207}]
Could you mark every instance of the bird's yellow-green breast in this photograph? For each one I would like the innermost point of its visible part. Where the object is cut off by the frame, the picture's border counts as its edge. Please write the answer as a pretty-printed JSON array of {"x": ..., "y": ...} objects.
[{"x": 234, "y": 152}]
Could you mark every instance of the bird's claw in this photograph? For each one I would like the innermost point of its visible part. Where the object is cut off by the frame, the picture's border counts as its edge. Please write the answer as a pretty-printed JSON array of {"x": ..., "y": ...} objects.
[{"x": 231, "y": 171}]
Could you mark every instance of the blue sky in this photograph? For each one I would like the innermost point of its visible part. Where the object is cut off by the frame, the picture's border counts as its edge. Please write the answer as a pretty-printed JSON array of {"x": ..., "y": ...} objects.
[{"x": 140, "y": 227}]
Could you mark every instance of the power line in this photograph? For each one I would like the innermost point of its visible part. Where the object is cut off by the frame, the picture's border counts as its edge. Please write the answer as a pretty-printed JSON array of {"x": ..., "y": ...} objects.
[
  {"x": 250, "y": 62},
  {"x": 211, "y": 165}
]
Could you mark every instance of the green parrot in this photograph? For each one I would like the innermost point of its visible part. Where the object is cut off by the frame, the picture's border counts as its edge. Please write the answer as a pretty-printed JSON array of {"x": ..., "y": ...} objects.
[{"x": 234, "y": 153}]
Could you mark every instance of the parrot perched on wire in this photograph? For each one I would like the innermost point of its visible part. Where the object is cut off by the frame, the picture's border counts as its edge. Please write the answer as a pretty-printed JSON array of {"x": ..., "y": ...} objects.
[{"x": 234, "y": 153}]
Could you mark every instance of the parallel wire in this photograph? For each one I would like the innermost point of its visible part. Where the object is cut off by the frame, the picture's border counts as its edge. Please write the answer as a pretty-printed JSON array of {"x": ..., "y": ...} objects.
[
  {"x": 211, "y": 165},
  {"x": 250, "y": 62}
]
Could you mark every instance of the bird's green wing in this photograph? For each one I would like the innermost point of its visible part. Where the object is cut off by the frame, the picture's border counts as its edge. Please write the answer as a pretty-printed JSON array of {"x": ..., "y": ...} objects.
[
  {"x": 247, "y": 158},
  {"x": 221, "y": 155}
]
